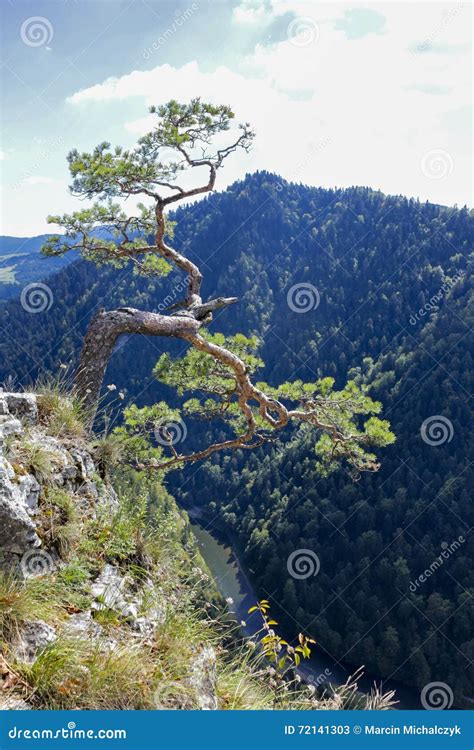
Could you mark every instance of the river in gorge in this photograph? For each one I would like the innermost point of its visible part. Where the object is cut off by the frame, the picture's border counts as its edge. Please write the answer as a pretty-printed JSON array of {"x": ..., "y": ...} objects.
[{"x": 233, "y": 584}]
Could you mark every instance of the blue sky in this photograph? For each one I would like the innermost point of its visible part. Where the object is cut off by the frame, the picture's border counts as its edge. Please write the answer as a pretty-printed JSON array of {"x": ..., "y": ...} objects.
[{"x": 340, "y": 94}]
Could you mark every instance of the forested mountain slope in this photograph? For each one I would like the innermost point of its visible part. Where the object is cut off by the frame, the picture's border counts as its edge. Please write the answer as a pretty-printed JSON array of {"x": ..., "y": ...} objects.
[{"x": 375, "y": 261}]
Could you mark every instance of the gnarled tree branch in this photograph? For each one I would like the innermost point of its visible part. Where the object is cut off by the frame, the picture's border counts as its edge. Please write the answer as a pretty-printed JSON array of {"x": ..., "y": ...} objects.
[{"x": 106, "y": 174}]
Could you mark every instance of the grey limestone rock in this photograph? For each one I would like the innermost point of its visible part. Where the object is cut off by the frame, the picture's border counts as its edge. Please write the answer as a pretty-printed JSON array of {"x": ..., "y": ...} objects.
[
  {"x": 17, "y": 529},
  {"x": 32, "y": 639},
  {"x": 203, "y": 679}
]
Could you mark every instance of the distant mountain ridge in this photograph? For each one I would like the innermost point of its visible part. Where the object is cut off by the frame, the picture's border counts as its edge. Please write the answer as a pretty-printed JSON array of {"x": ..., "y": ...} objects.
[{"x": 21, "y": 263}]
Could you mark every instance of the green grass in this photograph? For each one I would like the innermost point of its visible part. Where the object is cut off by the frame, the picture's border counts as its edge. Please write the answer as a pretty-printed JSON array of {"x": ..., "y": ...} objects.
[
  {"x": 61, "y": 413},
  {"x": 60, "y": 520},
  {"x": 30, "y": 457},
  {"x": 80, "y": 674},
  {"x": 145, "y": 539},
  {"x": 22, "y": 601}
]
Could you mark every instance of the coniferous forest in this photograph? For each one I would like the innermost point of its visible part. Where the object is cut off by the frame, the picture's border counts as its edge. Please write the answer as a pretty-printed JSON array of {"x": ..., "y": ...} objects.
[{"x": 390, "y": 305}]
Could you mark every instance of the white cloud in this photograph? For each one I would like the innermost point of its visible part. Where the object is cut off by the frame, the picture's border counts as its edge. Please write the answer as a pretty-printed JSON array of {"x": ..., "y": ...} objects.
[
  {"x": 251, "y": 12},
  {"x": 334, "y": 102},
  {"x": 377, "y": 106},
  {"x": 37, "y": 180}
]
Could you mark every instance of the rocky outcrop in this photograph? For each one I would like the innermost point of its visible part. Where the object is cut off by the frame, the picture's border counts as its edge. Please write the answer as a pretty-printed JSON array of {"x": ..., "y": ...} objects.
[
  {"x": 24, "y": 406},
  {"x": 203, "y": 679},
  {"x": 72, "y": 468},
  {"x": 32, "y": 639},
  {"x": 140, "y": 607},
  {"x": 45, "y": 481},
  {"x": 13, "y": 703},
  {"x": 17, "y": 528},
  {"x": 18, "y": 492}
]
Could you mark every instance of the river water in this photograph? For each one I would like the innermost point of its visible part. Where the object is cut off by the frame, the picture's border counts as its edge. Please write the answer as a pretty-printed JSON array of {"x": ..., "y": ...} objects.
[{"x": 233, "y": 583}]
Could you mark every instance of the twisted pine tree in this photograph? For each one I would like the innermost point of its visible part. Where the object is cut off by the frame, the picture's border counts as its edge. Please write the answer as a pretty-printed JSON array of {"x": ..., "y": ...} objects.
[{"x": 216, "y": 370}]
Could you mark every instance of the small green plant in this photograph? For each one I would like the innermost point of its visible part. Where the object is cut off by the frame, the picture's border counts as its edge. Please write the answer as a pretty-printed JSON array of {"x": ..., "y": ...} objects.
[
  {"x": 29, "y": 457},
  {"x": 61, "y": 520},
  {"x": 274, "y": 647},
  {"x": 119, "y": 537},
  {"x": 21, "y": 601},
  {"x": 73, "y": 673},
  {"x": 107, "y": 452},
  {"x": 106, "y": 616},
  {"x": 60, "y": 412},
  {"x": 280, "y": 653}
]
